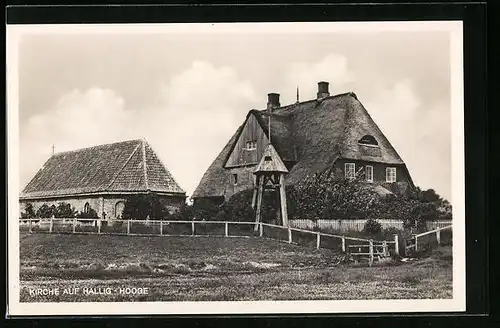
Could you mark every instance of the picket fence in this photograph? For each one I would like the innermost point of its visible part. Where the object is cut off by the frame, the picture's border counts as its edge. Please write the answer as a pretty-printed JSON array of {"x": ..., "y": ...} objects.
[{"x": 355, "y": 224}]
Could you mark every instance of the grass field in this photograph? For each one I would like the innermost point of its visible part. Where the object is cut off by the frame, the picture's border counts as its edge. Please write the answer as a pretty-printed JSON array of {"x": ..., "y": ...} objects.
[{"x": 215, "y": 269}]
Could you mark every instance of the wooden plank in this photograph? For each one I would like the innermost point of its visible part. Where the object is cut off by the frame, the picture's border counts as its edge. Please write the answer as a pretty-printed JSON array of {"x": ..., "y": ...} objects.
[
  {"x": 289, "y": 236},
  {"x": 261, "y": 232},
  {"x": 226, "y": 229},
  {"x": 161, "y": 227},
  {"x": 396, "y": 244},
  {"x": 318, "y": 241},
  {"x": 343, "y": 244},
  {"x": 259, "y": 201},
  {"x": 284, "y": 212},
  {"x": 128, "y": 227},
  {"x": 438, "y": 237},
  {"x": 371, "y": 252},
  {"x": 192, "y": 228}
]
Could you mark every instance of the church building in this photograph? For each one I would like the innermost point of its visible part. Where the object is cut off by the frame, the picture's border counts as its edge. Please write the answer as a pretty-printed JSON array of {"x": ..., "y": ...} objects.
[{"x": 101, "y": 177}]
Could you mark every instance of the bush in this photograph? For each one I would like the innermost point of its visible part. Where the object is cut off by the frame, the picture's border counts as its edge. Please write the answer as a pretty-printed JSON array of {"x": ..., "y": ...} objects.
[
  {"x": 237, "y": 208},
  {"x": 64, "y": 210},
  {"x": 205, "y": 209},
  {"x": 140, "y": 206},
  {"x": 372, "y": 227}
]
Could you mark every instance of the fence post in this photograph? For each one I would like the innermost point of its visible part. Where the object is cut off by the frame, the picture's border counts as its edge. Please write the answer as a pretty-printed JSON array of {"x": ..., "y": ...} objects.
[
  {"x": 29, "y": 220},
  {"x": 99, "y": 223},
  {"x": 50, "y": 225},
  {"x": 416, "y": 243},
  {"x": 161, "y": 227},
  {"x": 384, "y": 245},
  {"x": 318, "y": 239},
  {"x": 128, "y": 227},
  {"x": 289, "y": 236},
  {"x": 371, "y": 252},
  {"x": 343, "y": 244},
  {"x": 438, "y": 236},
  {"x": 396, "y": 244},
  {"x": 192, "y": 228},
  {"x": 261, "y": 228},
  {"x": 74, "y": 225},
  {"x": 226, "y": 229}
]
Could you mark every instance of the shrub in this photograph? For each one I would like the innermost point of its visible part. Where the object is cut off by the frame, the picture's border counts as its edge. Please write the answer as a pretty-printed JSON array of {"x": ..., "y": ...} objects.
[
  {"x": 64, "y": 210},
  {"x": 45, "y": 211},
  {"x": 29, "y": 211},
  {"x": 205, "y": 209},
  {"x": 140, "y": 206},
  {"x": 372, "y": 227}
]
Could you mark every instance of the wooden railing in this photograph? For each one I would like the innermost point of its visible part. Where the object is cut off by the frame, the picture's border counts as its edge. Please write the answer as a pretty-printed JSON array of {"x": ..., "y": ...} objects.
[
  {"x": 290, "y": 235},
  {"x": 413, "y": 245}
]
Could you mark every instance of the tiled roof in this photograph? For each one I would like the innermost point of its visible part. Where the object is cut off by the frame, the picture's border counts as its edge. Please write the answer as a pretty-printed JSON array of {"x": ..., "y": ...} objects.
[{"x": 128, "y": 166}]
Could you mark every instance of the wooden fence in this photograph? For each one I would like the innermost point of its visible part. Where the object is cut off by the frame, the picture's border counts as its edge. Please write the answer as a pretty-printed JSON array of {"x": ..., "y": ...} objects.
[
  {"x": 430, "y": 239},
  {"x": 355, "y": 224},
  {"x": 214, "y": 229}
]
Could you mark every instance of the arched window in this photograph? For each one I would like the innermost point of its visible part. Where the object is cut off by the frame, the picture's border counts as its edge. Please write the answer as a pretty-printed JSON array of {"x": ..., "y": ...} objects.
[
  {"x": 368, "y": 140},
  {"x": 119, "y": 206},
  {"x": 86, "y": 208}
]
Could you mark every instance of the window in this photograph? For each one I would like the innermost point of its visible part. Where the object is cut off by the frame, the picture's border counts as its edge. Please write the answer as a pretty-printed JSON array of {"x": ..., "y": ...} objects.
[
  {"x": 86, "y": 208},
  {"x": 268, "y": 158},
  {"x": 390, "y": 174},
  {"x": 119, "y": 206},
  {"x": 235, "y": 179},
  {"x": 369, "y": 173},
  {"x": 350, "y": 170},
  {"x": 368, "y": 140},
  {"x": 251, "y": 145}
]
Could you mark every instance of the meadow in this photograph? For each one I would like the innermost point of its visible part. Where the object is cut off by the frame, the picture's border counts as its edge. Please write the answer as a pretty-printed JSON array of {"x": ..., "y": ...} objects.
[{"x": 217, "y": 269}]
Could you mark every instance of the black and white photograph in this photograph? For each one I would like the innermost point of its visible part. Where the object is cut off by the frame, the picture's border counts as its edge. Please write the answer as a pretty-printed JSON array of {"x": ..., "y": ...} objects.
[{"x": 236, "y": 168}]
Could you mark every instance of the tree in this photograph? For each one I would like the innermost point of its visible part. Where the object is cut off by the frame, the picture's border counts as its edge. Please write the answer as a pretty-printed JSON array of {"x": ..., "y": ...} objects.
[
  {"x": 142, "y": 206},
  {"x": 64, "y": 210},
  {"x": 29, "y": 211},
  {"x": 45, "y": 211}
]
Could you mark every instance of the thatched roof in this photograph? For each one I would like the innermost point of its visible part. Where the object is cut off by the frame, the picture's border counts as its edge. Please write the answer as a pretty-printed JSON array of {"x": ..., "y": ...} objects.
[
  {"x": 311, "y": 135},
  {"x": 128, "y": 166},
  {"x": 270, "y": 162}
]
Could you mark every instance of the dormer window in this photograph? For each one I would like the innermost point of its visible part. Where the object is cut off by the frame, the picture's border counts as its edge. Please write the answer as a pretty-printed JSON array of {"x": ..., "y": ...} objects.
[
  {"x": 268, "y": 158},
  {"x": 368, "y": 140},
  {"x": 251, "y": 145}
]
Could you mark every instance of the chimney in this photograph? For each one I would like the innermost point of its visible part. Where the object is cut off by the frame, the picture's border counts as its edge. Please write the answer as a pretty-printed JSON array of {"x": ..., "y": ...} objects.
[
  {"x": 273, "y": 100},
  {"x": 323, "y": 89}
]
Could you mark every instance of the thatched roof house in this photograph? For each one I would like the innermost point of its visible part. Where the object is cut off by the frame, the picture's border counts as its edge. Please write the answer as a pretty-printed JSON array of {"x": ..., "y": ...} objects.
[
  {"x": 100, "y": 177},
  {"x": 310, "y": 136}
]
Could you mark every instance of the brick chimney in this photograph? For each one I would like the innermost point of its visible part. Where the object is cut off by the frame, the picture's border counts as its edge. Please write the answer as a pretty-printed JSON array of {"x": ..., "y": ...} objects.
[
  {"x": 273, "y": 100},
  {"x": 323, "y": 90}
]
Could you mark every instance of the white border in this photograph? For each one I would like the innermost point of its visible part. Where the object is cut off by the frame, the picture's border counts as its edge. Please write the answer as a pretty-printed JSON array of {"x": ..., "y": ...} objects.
[{"x": 14, "y": 33}]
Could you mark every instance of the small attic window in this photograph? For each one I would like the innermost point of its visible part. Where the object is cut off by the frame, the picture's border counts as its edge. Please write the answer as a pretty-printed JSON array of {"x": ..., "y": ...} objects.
[
  {"x": 368, "y": 140},
  {"x": 251, "y": 145},
  {"x": 268, "y": 158}
]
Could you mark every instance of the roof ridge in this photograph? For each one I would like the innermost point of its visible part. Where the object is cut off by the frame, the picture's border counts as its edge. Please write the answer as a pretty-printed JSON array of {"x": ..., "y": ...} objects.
[
  {"x": 350, "y": 93},
  {"x": 165, "y": 167},
  {"x": 123, "y": 166},
  {"x": 144, "y": 167},
  {"x": 95, "y": 146}
]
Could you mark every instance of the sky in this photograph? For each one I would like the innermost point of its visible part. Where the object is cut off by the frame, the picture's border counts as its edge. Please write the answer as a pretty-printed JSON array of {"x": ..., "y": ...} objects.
[{"x": 187, "y": 93}]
